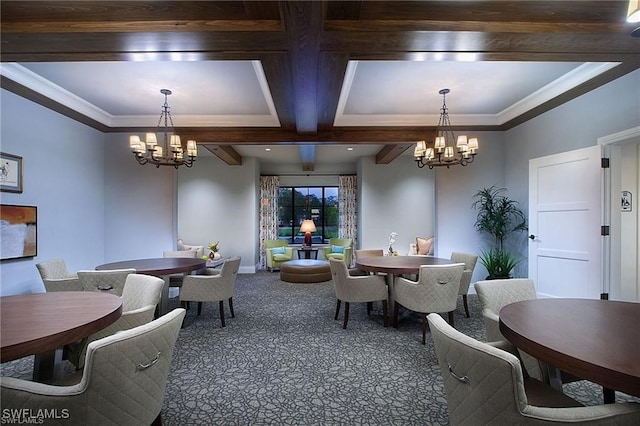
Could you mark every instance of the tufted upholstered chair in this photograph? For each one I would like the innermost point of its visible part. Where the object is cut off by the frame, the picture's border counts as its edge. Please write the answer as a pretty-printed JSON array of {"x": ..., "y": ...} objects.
[
  {"x": 435, "y": 291},
  {"x": 213, "y": 287},
  {"x": 357, "y": 289},
  {"x": 56, "y": 277},
  {"x": 485, "y": 385},
  {"x": 123, "y": 382},
  {"x": 345, "y": 247},
  {"x": 111, "y": 281},
  {"x": 175, "y": 280},
  {"x": 140, "y": 297},
  {"x": 469, "y": 261},
  {"x": 493, "y": 295},
  {"x": 275, "y": 259},
  {"x": 359, "y": 254}
]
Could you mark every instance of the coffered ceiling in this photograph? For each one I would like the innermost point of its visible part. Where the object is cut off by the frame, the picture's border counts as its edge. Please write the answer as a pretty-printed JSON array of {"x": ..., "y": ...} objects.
[{"x": 308, "y": 78}]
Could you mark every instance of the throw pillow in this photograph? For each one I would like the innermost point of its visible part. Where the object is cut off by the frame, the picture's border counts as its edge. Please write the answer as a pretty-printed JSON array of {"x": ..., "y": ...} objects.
[
  {"x": 337, "y": 249},
  {"x": 424, "y": 245},
  {"x": 277, "y": 250}
]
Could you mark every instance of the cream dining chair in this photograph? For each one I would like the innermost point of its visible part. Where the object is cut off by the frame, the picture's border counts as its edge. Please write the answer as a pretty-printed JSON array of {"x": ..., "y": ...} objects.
[
  {"x": 217, "y": 286},
  {"x": 484, "y": 385},
  {"x": 435, "y": 291},
  {"x": 110, "y": 281},
  {"x": 123, "y": 381},
  {"x": 469, "y": 261},
  {"x": 357, "y": 289},
  {"x": 140, "y": 296},
  {"x": 56, "y": 276}
]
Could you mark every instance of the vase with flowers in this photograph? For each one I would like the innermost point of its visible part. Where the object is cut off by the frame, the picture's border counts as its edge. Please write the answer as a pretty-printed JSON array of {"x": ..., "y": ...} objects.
[
  {"x": 214, "y": 254},
  {"x": 392, "y": 241}
]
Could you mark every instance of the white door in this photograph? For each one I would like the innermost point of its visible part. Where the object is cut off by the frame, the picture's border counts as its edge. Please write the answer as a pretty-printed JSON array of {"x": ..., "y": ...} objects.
[{"x": 565, "y": 215}]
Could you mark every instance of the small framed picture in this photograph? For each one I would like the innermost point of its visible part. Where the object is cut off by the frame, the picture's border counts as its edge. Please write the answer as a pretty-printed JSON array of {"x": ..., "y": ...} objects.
[{"x": 10, "y": 173}]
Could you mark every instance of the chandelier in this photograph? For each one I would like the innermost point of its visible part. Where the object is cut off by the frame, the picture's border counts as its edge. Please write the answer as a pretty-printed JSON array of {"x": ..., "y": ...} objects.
[
  {"x": 446, "y": 150},
  {"x": 170, "y": 153}
]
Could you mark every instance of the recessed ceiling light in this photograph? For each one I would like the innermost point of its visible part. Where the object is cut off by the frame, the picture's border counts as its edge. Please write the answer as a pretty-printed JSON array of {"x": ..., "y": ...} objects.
[
  {"x": 350, "y": 149},
  {"x": 267, "y": 149}
]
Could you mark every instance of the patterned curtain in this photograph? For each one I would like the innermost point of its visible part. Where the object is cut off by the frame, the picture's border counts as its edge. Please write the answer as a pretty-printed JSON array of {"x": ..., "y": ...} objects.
[
  {"x": 348, "y": 209},
  {"x": 269, "y": 186}
]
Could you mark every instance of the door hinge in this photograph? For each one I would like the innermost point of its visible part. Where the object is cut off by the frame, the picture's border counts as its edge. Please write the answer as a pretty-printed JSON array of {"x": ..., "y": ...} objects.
[
  {"x": 604, "y": 230},
  {"x": 604, "y": 163}
]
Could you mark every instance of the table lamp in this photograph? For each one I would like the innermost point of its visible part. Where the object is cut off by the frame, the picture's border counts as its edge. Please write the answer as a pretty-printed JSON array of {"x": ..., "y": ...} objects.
[{"x": 307, "y": 227}]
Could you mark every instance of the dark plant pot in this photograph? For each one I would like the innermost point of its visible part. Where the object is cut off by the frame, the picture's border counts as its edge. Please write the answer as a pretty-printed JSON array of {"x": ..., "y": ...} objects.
[{"x": 498, "y": 278}]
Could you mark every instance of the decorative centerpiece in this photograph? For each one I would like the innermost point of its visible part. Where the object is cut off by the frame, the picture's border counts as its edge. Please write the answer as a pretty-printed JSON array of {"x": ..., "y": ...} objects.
[
  {"x": 392, "y": 241},
  {"x": 213, "y": 255}
]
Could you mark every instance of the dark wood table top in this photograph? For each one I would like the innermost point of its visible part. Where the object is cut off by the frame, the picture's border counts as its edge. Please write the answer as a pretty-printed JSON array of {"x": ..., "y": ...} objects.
[
  {"x": 41, "y": 322},
  {"x": 158, "y": 266},
  {"x": 398, "y": 264},
  {"x": 597, "y": 340}
]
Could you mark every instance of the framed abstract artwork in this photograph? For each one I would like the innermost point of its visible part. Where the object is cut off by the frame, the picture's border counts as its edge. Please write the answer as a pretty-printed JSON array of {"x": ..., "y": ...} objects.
[
  {"x": 10, "y": 173},
  {"x": 18, "y": 231}
]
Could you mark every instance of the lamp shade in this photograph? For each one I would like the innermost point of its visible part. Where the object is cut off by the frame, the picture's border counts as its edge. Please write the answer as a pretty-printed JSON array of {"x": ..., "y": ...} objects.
[
  {"x": 634, "y": 11},
  {"x": 308, "y": 226}
]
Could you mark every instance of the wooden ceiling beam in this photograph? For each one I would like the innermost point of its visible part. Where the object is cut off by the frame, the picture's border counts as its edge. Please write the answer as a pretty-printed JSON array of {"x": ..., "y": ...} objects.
[
  {"x": 390, "y": 152},
  {"x": 226, "y": 153}
]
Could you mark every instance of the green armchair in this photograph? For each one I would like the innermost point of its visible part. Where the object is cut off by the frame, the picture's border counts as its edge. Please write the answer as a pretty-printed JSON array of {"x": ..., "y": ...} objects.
[
  {"x": 281, "y": 254},
  {"x": 339, "y": 249}
]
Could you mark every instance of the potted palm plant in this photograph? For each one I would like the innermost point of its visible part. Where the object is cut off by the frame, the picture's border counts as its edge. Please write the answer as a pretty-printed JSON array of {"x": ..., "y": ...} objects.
[{"x": 499, "y": 217}]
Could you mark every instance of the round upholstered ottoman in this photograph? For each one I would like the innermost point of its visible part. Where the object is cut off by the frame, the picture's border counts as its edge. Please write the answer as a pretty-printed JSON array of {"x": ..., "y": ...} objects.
[{"x": 305, "y": 271}]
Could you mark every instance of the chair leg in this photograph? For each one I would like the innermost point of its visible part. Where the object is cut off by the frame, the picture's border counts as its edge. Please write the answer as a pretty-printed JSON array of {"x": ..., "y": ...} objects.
[
  {"x": 337, "y": 309},
  {"x": 346, "y": 315},
  {"x": 199, "y": 308},
  {"x": 395, "y": 314},
  {"x": 233, "y": 315},
  {"x": 385, "y": 313},
  {"x": 158, "y": 420},
  {"x": 466, "y": 306},
  {"x": 369, "y": 307},
  {"x": 450, "y": 319},
  {"x": 424, "y": 328},
  {"x": 221, "y": 304}
]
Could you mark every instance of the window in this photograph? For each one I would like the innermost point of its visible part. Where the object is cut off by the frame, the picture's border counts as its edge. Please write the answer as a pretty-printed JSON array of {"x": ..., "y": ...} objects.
[{"x": 317, "y": 203}]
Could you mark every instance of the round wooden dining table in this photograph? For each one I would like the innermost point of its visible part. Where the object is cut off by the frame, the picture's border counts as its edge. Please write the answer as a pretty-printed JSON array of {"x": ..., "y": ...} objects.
[
  {"x": 396, "y": 265},
  {"x": 39, "y": 323},
  {"x": 159, "y": 267},
  {"x": 592, "y": 339}
]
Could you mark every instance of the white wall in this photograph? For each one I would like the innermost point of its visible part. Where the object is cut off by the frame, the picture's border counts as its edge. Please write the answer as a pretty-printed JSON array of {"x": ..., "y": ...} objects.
[
  {"x": 218, "y": 202},
  {"x": 576, "y": 124},
  {"x": 138, "y": 205},
  {"x": 396, "y": 197},
  {"x": 64, "y": 178},
  {"x": 456, "y": 187},
  {"x": 579, "y": 123}
]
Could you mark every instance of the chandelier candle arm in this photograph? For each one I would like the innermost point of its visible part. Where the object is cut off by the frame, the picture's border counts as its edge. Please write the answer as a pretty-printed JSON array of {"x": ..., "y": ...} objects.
[
  {"x": 447, "y": 150},
  {"x": 170, "y": 152}
]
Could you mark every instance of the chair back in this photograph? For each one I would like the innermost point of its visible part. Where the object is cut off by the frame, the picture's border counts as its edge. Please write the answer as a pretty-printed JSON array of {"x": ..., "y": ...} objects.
[
  {"x": 437, "y": 288},
  {"x": 275, "y": 243},
  {"x": 483, "y": 384},
  {"x": 140, "y": 291},
  {"x": 111, "y": 281},
  {"x": 495, "y": 294},
  {"x": 340, "y": 275},
  {"x": 469, "y": 261},
  {"x": 368, "y": 253},
  {"x": 345, "y": 242},
  {"x": 54, "y": 269},
  {"x": 227, "y": 279},
  {"x": 62, "y": 284},
  {"x": 128, "y": 372},
  {"x": 191, "y": 254}
]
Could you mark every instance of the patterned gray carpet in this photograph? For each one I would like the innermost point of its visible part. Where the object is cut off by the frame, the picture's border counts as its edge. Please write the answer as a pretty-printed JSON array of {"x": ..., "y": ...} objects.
[{"x": 283, "y": 360}]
